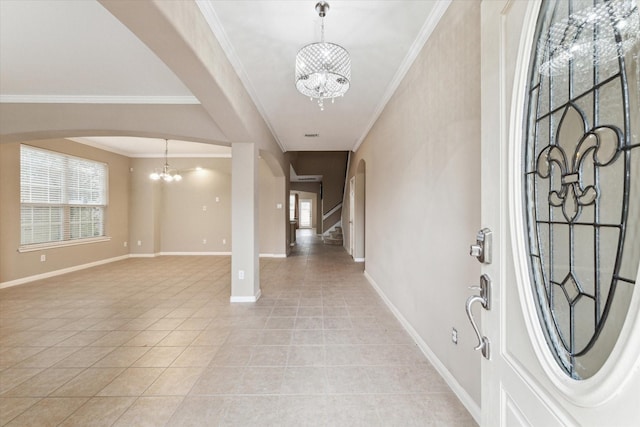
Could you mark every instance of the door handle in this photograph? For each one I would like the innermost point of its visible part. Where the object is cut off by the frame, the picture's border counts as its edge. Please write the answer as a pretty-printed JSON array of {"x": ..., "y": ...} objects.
[{"x": 485, "y": 300}]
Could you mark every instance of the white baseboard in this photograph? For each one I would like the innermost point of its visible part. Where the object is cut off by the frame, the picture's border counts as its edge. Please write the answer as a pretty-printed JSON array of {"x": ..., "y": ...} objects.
[
  {"x": 254, "y": 298},
  {"x": 200, "y": 254},
  {"x": 273, "y": 255},
  {"x": 358, "y": 260},
  {"x": 59, "y": 272},
  {"x": 465, "y": 398},
  {"x": 195, "y": 253}
]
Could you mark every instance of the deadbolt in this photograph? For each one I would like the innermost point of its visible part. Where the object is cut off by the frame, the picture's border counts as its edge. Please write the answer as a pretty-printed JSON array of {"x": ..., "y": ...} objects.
[{"x": 482, "y": 247}]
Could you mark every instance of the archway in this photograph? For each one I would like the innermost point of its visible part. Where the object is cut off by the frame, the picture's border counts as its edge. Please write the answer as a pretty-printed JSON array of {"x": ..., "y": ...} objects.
[{"x": 360, "y": 216}]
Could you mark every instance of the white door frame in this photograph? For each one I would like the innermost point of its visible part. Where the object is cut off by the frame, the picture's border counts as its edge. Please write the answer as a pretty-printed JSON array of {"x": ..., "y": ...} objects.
[{"x": 352, "y": 214}]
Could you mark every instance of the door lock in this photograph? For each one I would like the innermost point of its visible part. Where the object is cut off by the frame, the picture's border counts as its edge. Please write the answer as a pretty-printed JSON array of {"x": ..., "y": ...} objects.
[{"x": 482, "y": 247}]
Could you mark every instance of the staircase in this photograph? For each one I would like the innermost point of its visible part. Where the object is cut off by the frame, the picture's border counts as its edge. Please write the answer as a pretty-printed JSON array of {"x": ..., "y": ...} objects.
[{"x": 334, "y": 237}]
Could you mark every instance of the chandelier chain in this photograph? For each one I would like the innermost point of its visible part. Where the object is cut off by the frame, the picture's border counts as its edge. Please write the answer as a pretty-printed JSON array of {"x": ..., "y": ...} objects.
[{"x": 166, "y": 174}]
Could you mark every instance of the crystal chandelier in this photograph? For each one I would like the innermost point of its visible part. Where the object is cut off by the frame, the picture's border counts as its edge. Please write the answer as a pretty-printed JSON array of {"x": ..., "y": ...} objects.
[
  {"x": 591, "y": 36},
  {"x": 166, "y": 174},
  {"x": 323, "y": 70}
]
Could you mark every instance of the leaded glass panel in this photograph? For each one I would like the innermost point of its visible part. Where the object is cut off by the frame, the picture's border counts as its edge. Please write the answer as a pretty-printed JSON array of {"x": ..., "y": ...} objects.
[{"x": 582, "y": 176}]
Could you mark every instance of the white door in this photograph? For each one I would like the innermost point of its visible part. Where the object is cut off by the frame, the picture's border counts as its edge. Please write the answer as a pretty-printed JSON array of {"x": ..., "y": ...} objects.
[
  {"x": 580, "y": 364},
  {"x": 352, "y": 215},
  {"x": 305, "y": 213}
]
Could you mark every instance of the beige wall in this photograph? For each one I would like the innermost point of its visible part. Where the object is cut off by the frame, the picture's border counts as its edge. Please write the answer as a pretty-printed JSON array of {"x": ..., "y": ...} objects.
[
  {"x": 169, "y": 217},
  {"x": 184, "y": 222},
  {"x": 15, "y": 265},
  {"x": 422, "y": 192},
  {"x": 145, "y": 208},
  {"x": 273, "y": 208}
]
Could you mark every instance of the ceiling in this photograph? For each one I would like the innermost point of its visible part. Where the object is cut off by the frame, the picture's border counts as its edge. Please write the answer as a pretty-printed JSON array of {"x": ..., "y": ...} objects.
[{"x": 77, "y": 52}]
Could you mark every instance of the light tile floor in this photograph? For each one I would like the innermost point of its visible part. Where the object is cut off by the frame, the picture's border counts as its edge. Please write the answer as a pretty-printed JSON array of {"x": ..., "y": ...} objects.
[{"x": 153, "y": 342}]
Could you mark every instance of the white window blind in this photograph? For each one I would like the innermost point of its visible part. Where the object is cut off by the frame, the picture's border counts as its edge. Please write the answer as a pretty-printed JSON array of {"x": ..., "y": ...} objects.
[{"x": 62, "y": 197}]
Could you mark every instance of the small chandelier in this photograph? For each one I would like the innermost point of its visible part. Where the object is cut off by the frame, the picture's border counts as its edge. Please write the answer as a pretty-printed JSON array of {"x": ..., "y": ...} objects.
[
  {"x": 323, "y": 70},
  {"x": 590, "y": 37},
  {"x": 167, "y": 174}
]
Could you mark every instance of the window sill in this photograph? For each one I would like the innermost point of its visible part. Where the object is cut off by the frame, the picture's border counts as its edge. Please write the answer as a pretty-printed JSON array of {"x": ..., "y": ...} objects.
[{"x": 52, "y": 245}]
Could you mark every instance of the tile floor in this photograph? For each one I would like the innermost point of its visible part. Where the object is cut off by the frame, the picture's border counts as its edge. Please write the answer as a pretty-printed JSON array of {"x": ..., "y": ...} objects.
[{"x": 155, "y": 341}]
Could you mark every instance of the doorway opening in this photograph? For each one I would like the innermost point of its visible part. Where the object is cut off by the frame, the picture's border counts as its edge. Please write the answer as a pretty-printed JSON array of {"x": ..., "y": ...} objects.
[
  {"x": 359, "y": 220},
  {"x": 306, "y": 209}
]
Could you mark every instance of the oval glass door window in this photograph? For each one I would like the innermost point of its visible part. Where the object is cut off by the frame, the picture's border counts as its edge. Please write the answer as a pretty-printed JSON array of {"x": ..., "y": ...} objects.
[{"x": 582, "y": 176}]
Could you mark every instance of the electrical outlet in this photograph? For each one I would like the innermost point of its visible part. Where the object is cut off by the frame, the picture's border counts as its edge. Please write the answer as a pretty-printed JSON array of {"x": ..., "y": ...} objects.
[
  {"x": 241, "y": 274},
  {"x": 204, "y": 241},
  {"x": 204, "y": 208},
  {"x": 454, "y": 335},
  {"x": 125, "y": 244},
  {"x": 43, "y": 258},
  {"x": 224, "y": 241},
  {"x": 139, "y": 242},
  {"x": 217, "y": 199}
]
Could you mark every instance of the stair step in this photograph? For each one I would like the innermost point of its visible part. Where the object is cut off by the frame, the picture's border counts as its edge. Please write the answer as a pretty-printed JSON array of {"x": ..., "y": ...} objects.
[{"x": 332, "y": 241}]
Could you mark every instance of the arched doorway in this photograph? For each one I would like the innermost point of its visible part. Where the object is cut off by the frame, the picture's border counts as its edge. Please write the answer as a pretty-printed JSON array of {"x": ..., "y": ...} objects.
[{"x": 359, "y": 213}]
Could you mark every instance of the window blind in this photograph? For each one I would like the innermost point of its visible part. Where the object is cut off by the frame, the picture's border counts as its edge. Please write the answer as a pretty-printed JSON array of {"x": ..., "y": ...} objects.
[{"x": 62, "y": 197}]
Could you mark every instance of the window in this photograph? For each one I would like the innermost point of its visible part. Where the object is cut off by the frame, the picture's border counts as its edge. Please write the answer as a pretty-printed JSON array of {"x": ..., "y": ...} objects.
[
  {"x": 62, "y": 198},
  {"x": 581, "y": 157}
]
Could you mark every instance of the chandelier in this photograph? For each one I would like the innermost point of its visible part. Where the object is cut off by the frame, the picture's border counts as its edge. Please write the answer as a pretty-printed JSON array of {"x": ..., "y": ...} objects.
[
  {"x": 323, "y": 70},
  {"x": 589, "y": 37},
  {"x": 166, "y": 174}
]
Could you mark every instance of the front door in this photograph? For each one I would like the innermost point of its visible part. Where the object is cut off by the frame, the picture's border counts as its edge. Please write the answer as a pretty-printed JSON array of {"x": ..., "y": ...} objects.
[{"x": 561, "y": 195}]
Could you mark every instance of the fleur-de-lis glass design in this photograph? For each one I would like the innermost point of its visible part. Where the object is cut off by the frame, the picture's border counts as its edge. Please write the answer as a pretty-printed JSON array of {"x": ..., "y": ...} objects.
[
  {"x": 581, "y": 177},
  {"x": 600, "y": 145}
]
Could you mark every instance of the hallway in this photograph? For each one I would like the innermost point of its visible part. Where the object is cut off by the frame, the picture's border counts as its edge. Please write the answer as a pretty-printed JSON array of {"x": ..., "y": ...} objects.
[{"x": 155, "y": 341}]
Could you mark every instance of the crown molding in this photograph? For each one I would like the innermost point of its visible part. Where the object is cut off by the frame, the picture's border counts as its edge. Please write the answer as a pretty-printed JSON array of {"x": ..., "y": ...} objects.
[
  {"x": 96, "y": 99},
  {"x": 155, "y": 155},
  {"x": 430, "y": 24},
  {"x": 212, "y": 19}
]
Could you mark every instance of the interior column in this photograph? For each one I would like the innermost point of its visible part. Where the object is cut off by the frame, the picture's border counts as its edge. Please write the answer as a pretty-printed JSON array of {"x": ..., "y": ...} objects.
[{"x": 245, "y": 263}]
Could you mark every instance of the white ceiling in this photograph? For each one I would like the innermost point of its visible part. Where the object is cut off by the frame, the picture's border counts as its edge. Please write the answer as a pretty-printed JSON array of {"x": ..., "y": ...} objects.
[
  {"x": 76, "y": 51},
  {"x": 261, "y": 39},
  {"x": 66, "y": 49}
]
